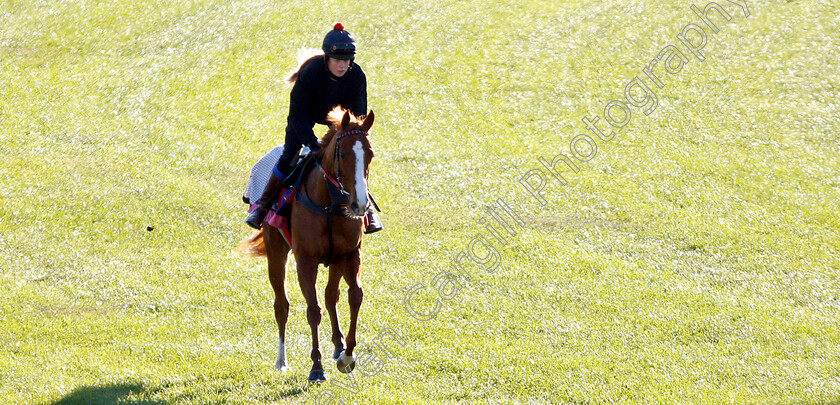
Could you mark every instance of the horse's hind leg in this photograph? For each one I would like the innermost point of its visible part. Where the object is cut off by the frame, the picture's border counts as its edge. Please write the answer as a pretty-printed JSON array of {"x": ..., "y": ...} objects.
[
  {"x": 307, "y": 275},
  {"x": 350, "y": 268},
  {"x": 331, "y": 295},
  {"x": 278, "y": 252}
]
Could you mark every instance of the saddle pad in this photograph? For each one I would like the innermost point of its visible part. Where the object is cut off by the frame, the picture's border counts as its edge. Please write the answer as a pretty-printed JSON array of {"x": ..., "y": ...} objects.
[{"x": 260, "y": 174}]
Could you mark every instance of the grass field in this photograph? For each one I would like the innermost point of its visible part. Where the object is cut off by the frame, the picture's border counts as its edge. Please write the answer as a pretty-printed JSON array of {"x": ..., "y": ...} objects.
[{"x": 693, "y": 260}]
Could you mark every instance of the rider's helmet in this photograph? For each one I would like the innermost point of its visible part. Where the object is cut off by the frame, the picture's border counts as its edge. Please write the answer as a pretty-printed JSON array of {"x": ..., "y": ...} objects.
[{"x": 339, "y": 44}]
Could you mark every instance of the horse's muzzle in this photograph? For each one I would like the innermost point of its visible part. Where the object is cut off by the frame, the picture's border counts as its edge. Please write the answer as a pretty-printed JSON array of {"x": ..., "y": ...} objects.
[{"x": 357, "y": 210}]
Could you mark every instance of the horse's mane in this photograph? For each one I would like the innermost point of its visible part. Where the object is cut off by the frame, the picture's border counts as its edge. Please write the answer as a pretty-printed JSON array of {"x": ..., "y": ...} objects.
[
  {"x": 305, "y": 57},
  {"x": 334, "y": 118}
]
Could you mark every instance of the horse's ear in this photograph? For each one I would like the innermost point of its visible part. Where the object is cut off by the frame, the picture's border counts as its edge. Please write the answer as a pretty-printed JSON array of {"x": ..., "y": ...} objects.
[
  {"x": 345, "y": 121},
  {"x": 368, "y": 122}
]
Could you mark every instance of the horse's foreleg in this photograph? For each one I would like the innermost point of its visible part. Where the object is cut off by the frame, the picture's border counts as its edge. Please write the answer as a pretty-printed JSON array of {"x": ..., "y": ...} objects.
[
  {"x": 351, "y": 269},
  {"x": 278, "y": 251},
  {"x": 331, "y": 295},
  {"x": 307, "y": 275}
]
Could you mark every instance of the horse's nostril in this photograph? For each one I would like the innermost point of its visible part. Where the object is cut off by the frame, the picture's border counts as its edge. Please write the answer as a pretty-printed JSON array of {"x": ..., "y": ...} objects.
[{"x": 354, "y": 206}]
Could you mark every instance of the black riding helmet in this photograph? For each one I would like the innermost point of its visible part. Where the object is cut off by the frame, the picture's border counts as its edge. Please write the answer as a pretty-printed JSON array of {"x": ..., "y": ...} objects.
[{"x": 339, "y": 44}]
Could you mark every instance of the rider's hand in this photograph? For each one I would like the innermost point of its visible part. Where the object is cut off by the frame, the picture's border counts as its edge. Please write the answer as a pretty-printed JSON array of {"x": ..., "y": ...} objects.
[{"x": 314, "y": 147}]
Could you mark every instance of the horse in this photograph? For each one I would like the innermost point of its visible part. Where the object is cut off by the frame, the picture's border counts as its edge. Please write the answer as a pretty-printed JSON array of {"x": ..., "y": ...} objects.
[{"x": 324, "y": 231}]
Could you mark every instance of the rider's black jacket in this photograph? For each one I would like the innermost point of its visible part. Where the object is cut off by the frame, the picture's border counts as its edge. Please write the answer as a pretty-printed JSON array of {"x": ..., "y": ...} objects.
[{"x": 316, "y": 92}]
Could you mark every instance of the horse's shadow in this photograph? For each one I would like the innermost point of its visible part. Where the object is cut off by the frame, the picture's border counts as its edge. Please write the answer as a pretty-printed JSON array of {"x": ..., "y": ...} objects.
[
  {"x": 113, "y": 394},
  {"x": 106, "y": 395}
]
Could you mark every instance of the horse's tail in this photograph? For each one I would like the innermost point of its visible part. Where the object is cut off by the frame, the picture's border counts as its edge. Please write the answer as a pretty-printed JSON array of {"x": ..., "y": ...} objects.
[
  {"x": 252, "y": 246},
  {"x": 305, "y": 57}
]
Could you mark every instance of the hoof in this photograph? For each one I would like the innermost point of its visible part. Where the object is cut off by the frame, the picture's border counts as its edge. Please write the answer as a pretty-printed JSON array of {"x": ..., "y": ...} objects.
[
  {"x": 337, "y": 353},
  {"x": 317, "y": 376},
  {"x": 346, "y": 364},
  {"x": 281, "y": 367}
]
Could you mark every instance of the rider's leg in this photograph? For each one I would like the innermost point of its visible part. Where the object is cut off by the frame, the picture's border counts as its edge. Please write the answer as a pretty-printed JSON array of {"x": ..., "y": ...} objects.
[
  {"x": 272, "y": 189},
  {"x": 269, "y": 197},
  {"x": 372, "y": 221}
]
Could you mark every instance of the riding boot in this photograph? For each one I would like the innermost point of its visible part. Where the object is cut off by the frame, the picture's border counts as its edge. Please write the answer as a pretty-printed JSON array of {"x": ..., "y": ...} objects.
[
  {"x": 372, "y": 221},
  {"x": 269, "y": 197}
]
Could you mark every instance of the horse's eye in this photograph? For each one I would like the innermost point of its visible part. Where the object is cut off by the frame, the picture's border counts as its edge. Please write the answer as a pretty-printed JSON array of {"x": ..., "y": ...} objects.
[{"x": 341, "y": 155}]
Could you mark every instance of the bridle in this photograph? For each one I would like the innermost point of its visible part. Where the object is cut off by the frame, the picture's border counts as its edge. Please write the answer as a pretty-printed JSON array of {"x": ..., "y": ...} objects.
[
  {"x": 337, "y": 154},
  {"x": 338, "y": 193}
]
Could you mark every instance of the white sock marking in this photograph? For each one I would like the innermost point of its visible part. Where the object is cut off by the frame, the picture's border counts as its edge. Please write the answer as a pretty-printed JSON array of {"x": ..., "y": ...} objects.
[{"x": 281, "y": 365}]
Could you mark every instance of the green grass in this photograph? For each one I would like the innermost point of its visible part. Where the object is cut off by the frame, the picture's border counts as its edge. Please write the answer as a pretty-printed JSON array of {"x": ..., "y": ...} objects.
[{"x": 694, "y": 260}]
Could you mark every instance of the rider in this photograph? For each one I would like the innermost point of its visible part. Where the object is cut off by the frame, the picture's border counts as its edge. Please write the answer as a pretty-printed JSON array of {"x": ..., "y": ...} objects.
[{"x": 323, "y": 82}]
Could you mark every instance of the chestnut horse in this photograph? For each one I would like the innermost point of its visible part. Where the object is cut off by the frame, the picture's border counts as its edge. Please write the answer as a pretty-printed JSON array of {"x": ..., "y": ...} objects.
[{"x": 327, "y": 232}]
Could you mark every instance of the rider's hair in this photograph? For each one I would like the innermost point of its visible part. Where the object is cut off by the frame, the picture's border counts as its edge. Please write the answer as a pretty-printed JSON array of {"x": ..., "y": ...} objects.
[{"x": 305, "y": 56}]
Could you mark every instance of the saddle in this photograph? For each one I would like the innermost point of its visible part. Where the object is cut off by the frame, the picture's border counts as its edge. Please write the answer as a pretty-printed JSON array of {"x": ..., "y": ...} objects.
[{"x": 295, "y": 178}]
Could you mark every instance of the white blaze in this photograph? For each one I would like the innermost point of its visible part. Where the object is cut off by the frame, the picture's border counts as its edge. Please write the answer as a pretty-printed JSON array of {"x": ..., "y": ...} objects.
[{"x": 361, "y": 185}]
